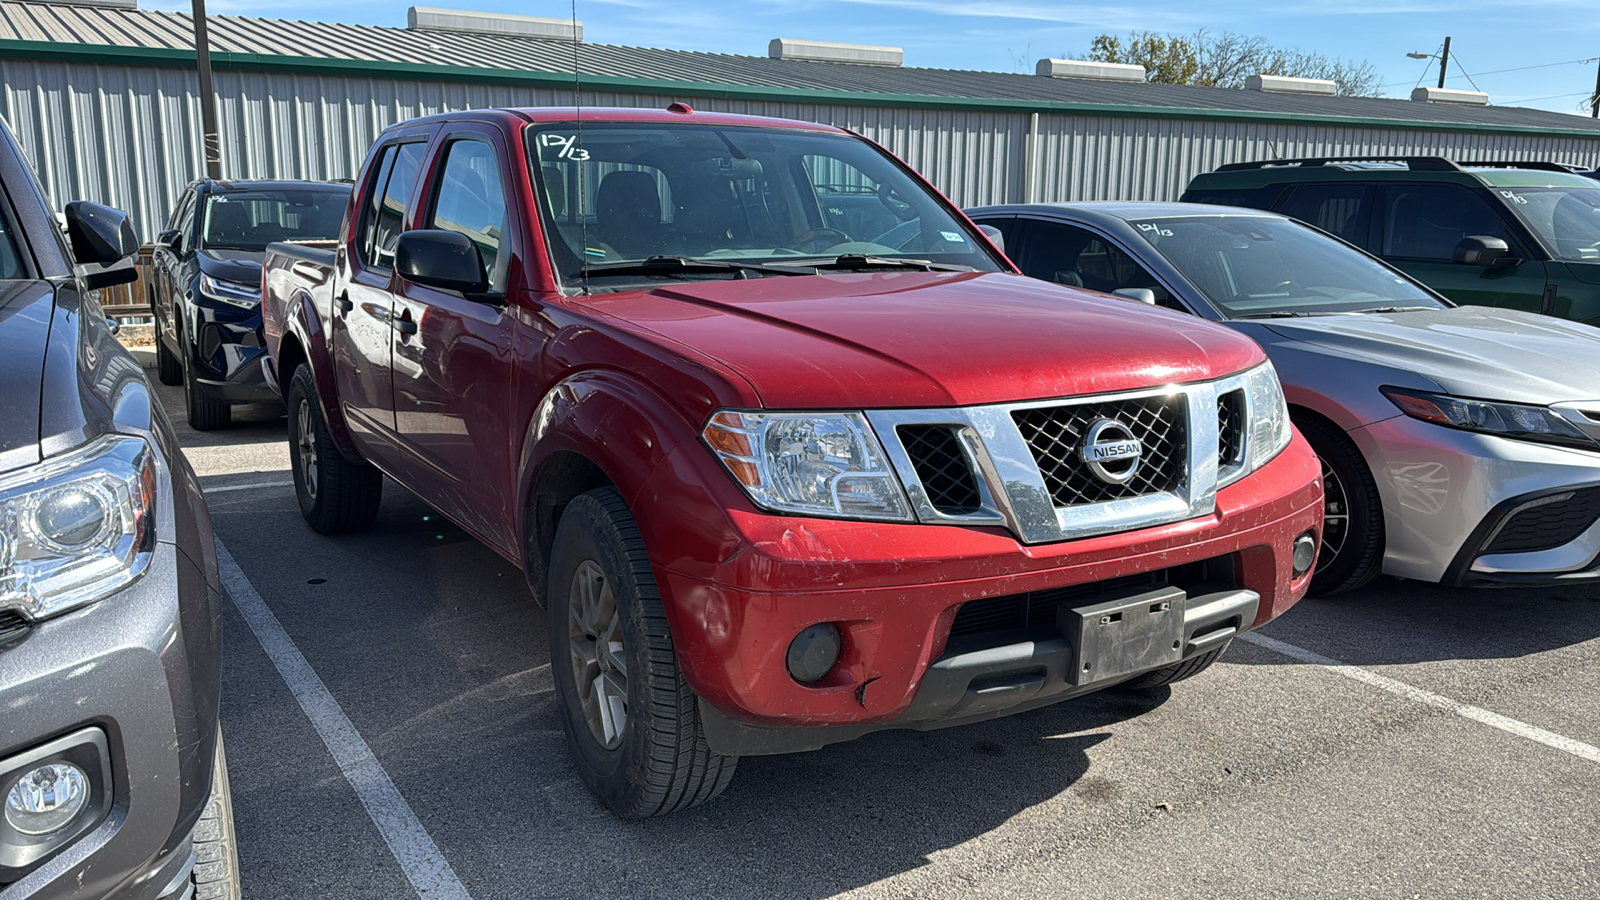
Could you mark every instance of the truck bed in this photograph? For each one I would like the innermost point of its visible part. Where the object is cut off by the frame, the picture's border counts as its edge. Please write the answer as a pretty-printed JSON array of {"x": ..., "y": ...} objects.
[{"x": 295, "y": 272}]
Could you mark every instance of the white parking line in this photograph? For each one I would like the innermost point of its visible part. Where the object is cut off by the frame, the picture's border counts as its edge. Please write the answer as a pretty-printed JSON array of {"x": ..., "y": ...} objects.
[
  {"x": 248, "y": 487},
  {"x": 425, "y": 867},
  {"x": 1428, "y": 698}
]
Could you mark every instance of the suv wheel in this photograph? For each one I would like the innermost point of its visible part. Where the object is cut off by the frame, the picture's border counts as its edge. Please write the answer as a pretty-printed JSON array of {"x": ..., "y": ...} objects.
[
  {"x": 336, "y": 494},
  {"x": 168, "y": 369},
  {"x": 205, "y": 413},
  {"x": 1352, "y": 531},
  {"x": 632, "y": 723},
  {"x": 216, "y": 866}
]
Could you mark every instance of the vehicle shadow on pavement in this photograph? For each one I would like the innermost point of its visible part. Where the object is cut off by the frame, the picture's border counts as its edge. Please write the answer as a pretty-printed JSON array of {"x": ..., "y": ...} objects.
[{"x": 1398, "y": 622}]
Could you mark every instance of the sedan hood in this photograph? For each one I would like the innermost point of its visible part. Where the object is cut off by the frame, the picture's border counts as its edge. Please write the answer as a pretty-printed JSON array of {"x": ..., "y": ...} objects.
[
  {"x": 25, "y": 311},
  {"x": 237, "y": 266},
  {"x": 929, "y": 339},
  {"x": 1469, "y": 351}
]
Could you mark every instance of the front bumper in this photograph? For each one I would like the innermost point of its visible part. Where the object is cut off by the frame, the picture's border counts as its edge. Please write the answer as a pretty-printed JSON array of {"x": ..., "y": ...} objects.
[
  {"x": 1446, "y": 493},
  {"x": 906, "y": 586},
  {"x": 228, "y": 349},
  {"x": 138, "y": 667}
]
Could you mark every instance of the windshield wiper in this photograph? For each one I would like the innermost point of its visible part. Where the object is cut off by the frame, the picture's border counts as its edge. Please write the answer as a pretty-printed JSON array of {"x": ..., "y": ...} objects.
[
  {"x": 1394, "y": 309},
  {"x": 684, "y": 265},
  {"x": 1282, "y": 314},
  {"x": 857, "y": 261}
]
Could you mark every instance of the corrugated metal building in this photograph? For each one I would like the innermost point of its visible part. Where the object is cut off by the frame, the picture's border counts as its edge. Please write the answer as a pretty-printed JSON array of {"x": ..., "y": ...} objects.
[{"x": 104, "y": 101}]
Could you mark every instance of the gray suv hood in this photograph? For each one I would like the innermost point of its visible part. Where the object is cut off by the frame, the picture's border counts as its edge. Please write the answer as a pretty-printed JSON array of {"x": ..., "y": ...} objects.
[
  {"x": 25, "y": 311},
  {"x": 1469, "y": 351}
]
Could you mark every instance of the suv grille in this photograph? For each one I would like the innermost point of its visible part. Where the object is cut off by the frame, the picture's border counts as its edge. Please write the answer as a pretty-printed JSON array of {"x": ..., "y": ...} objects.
[
  {"x": 1055, "y": 434},
  {"x": 935, "y": 453},
  {"x": 1038, "y": 609},
  {"x": 1549, "y": 526},
  {"x": 1230, "y": 429},
  {"x": 12, "y": 626}
]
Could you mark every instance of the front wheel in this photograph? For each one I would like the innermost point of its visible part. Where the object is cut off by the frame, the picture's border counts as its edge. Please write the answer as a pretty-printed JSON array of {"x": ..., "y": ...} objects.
[
  {"x": 1179, "y": 671},
  {"x": 336, "y": 494},
  {"x": 205, "y": 413},
  {"x": 632, "y": 723},
  {"x": 168, "y": 368},
  {"x": 1352, "y": 523}
]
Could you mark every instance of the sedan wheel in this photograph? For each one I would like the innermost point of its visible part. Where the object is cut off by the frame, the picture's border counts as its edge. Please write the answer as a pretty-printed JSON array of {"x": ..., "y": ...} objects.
[
  {"x": 1335, "y": 516},
  {"x": 1352, "y": 531}
]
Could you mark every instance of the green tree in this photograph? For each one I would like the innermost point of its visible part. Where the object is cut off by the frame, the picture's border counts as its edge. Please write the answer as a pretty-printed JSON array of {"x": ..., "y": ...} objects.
[{"x": 1225, "y": 60}]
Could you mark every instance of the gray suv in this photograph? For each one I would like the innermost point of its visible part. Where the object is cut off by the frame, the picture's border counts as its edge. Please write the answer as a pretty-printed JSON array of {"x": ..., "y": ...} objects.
[{"x": 112, "y": 778}]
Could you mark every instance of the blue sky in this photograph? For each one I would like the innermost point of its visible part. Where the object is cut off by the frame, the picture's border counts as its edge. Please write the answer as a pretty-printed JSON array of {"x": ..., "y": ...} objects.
[{"x": 1009, "y": 35}]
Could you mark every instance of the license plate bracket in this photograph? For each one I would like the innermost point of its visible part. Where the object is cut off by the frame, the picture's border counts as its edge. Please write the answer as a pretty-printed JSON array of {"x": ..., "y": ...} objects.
[{"x": 1121, "y": 637}]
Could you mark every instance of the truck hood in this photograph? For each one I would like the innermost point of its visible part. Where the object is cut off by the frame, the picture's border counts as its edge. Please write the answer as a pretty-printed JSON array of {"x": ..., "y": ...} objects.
[
  {"x": 1470, "y": 351},
  {"x": 25, "y": 311},
  {"x": 237, "y": 266},
  {"x": 929, "y": 339}
]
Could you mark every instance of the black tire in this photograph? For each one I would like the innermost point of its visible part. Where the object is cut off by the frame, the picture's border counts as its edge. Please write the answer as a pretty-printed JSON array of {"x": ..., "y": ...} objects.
[
  {"x": 168, "y": 369},
  {"x": 205, "y": 413},
  {"x": 216, "y": 867},
  {"x": 659, "y": 761},
  {"x": 1352, "y": 532},
  {"x": 337, "y": 494},
  {"x": 1180, "y": 671}
]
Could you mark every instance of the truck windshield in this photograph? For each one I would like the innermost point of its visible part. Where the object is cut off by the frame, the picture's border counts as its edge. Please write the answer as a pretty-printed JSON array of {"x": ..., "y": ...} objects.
[
  {"x": 1250, "y": 266},
  {"x": 250, "y": 220},
  {"x": 771, "y": 198},
  {"x": 1566, "y": 219}
]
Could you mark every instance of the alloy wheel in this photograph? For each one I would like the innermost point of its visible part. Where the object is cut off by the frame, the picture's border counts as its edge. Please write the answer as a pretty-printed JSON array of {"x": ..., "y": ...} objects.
[
  {"x": 1335, "y": 516},
  {"x": 307, "y": 447},
  {"x": 599, "y": 662}
]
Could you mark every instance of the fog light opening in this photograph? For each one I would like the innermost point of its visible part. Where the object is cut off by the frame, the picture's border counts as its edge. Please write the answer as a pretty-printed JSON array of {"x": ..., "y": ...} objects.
[
  {"x": 1305, "y": 553},
  {"x": 813, "y": 652},
  {"x": 47, "y": 798}
]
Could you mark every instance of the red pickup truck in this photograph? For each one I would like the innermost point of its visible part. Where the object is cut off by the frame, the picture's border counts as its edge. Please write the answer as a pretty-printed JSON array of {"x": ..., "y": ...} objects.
[{"x": 787, "y": 449}]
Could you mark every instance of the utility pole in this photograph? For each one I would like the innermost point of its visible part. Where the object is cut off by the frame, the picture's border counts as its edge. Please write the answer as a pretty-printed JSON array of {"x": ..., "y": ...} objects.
[
  {"x": 1594, "y": 102},
  {"x": 211, "y": 142},
  {"x": 1444, "y": 58}
]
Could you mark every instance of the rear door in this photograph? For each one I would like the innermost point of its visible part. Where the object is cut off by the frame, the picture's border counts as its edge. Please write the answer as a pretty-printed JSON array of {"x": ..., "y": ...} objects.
[
  {"x": 453, "y": 384},
  {"x": 1418, "y": 226},
  {"x": 363, "y": 310}
]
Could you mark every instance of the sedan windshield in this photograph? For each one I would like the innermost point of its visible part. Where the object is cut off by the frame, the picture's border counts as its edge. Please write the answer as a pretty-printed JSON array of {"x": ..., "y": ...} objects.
[
  {"x": 1566, "y": 219},
  {"x": 615, "y": 195},
  {"x": 250, "y": 220},
  {"x": 1258, "y": 266}
]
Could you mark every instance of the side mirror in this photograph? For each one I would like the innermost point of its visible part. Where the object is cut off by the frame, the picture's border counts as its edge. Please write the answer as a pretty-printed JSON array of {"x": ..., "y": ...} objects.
[
  {"x": 1143, "y": 295},
  {"x": 170, "y": 239},
  {"x": 443, "y": 259},
  {"x": 1484, "y": 250},
  {"x": 99, "y": 234},
  {"x": 994, "y": 234},
  {"x": 114, "y": 324}
]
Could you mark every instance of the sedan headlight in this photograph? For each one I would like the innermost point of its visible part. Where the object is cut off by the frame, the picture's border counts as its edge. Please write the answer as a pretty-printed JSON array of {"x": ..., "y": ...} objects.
[
  {"x": 1267, "y": 429},
  {"x": 77, "y": 527},
  {"x": 247, "y": 296},
  {"x": 814, "y": 464},
  {"x": 1513, "y": 420}
]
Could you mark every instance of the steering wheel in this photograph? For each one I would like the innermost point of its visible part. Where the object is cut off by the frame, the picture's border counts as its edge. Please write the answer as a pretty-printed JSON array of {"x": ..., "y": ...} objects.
[{"x": 806, "y": 239}]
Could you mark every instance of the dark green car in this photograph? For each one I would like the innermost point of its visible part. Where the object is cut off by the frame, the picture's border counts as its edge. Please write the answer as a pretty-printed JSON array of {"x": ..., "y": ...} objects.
[{"x": 1487, "y": 236}]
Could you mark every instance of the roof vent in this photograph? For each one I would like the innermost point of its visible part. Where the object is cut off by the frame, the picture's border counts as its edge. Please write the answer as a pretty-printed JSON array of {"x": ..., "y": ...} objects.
[
  {"x": 427, "y": 18},
  {"x": 823, "y": 51},
  {"x": 1279, "y": 84},
  {"x": 1447, "y": 95},
  {"x": 1093, "y": 71}
]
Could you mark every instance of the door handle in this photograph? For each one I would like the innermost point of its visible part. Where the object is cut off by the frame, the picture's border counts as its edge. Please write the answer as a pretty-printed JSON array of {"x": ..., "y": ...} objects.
[
  {"x": 403, "y": 324},
  {"x": 343, "y": 302}
]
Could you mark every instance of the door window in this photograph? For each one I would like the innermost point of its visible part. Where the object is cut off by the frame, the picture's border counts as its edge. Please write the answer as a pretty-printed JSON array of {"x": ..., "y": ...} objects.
[
  {"x": 10, "y": 258},
  {"x": 470, "y": 200},
  {"x": 1427, "y": 221},
  {"x": 1076, "y": 257},
  {"x": 384, "y": 211},
  {"x": 185, "y": 224},
  {"x": 1341, "y": 209}
]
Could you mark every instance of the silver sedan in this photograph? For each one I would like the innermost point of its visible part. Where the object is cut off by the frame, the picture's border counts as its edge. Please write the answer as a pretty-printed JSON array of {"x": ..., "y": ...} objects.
[{"x": 1459, "y": 444}]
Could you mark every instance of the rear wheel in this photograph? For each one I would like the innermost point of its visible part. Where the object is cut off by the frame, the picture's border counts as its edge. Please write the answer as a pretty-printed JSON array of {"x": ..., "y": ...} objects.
[
  {"x": 1176, "y": 672},
  {"x": 336, "y": 494},
  {"x": 632, "y": 723},
  {"x": 1352, "y": 523}
]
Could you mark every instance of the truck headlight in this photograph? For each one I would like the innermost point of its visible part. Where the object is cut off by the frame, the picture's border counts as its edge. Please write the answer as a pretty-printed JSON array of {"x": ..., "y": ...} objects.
[
  {"x": 1267, "y": 430},
  {"x": 246, "y": 296},
  {"x": 77, "y": 527},
  {"x": 1513, "y": 420},
  {"x": 815, "y": 464}
]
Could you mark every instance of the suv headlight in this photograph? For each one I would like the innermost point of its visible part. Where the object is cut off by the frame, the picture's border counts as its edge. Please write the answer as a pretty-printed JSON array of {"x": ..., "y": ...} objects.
[
  {"x": 247, "y": 296},
  {"x": 1512, "y": 420},
  {"x": 76, "y": 527},
  {"x": 1267, "y": 430},
  {"x": 814, "y": 464}
]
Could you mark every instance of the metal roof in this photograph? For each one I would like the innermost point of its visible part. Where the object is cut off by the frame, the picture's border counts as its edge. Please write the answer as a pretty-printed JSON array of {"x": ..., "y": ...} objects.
[{"x": 239, "y": 42}]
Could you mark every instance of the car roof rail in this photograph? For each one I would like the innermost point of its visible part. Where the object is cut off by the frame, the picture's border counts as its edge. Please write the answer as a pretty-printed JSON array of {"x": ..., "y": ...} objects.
[
  {"x": 1414, "y": 163},
  {"x": 1539, "y": 164}
]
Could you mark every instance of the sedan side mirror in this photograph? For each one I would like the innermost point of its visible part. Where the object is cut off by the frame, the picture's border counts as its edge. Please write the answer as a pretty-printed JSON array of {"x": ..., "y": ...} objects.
[
  {"x": 1143, "y": 295},
  {"x": 172, "y": 239},
  {"x": 99, "y": 234},
  {"x": 443, "y": 259},
  {"x": 1484, "y": 250},
  {"x": 995, "y": 235}
]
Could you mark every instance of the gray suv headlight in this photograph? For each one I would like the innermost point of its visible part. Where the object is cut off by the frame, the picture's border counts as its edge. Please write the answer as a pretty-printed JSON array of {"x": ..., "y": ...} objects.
[
  {"x": 77, "y": 527},
  {"x": 813, "y": 464},
  {"x": 1513, "y": 420}
]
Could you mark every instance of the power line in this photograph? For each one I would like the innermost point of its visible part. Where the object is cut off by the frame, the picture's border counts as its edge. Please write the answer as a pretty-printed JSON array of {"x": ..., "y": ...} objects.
[
  {"x": 1551, "y": 97},
  {"x": 1570, "y": 62}
]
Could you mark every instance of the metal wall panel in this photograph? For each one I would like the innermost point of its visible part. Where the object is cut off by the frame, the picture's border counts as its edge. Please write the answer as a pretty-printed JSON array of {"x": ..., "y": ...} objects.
[{"x": 130, "y": 136}]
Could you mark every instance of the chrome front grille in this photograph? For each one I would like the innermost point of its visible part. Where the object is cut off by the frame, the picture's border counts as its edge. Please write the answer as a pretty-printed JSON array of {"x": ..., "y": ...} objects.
[
  {"x": 947, "y": 477},
  {"x": 1230, "y": 429},
  {"x": 1056, "y": 434}
]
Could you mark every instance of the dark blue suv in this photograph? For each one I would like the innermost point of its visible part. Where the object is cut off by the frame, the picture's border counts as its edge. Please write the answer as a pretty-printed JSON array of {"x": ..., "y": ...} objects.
[{"x": 206, "y": 285}]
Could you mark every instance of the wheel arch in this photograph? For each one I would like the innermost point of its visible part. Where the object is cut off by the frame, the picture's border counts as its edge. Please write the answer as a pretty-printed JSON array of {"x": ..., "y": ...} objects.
[{"x": 304, "y": 342}]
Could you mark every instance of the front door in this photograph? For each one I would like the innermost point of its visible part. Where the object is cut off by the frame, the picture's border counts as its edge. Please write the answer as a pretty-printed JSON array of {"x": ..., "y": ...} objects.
[
  {"x": 453, "y": 385},
  {"x": 1419, "y": 227}
]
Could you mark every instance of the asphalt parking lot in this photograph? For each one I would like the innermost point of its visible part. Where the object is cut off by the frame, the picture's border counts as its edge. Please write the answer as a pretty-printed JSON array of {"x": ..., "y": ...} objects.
[{"x": 391, "y": 732}]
